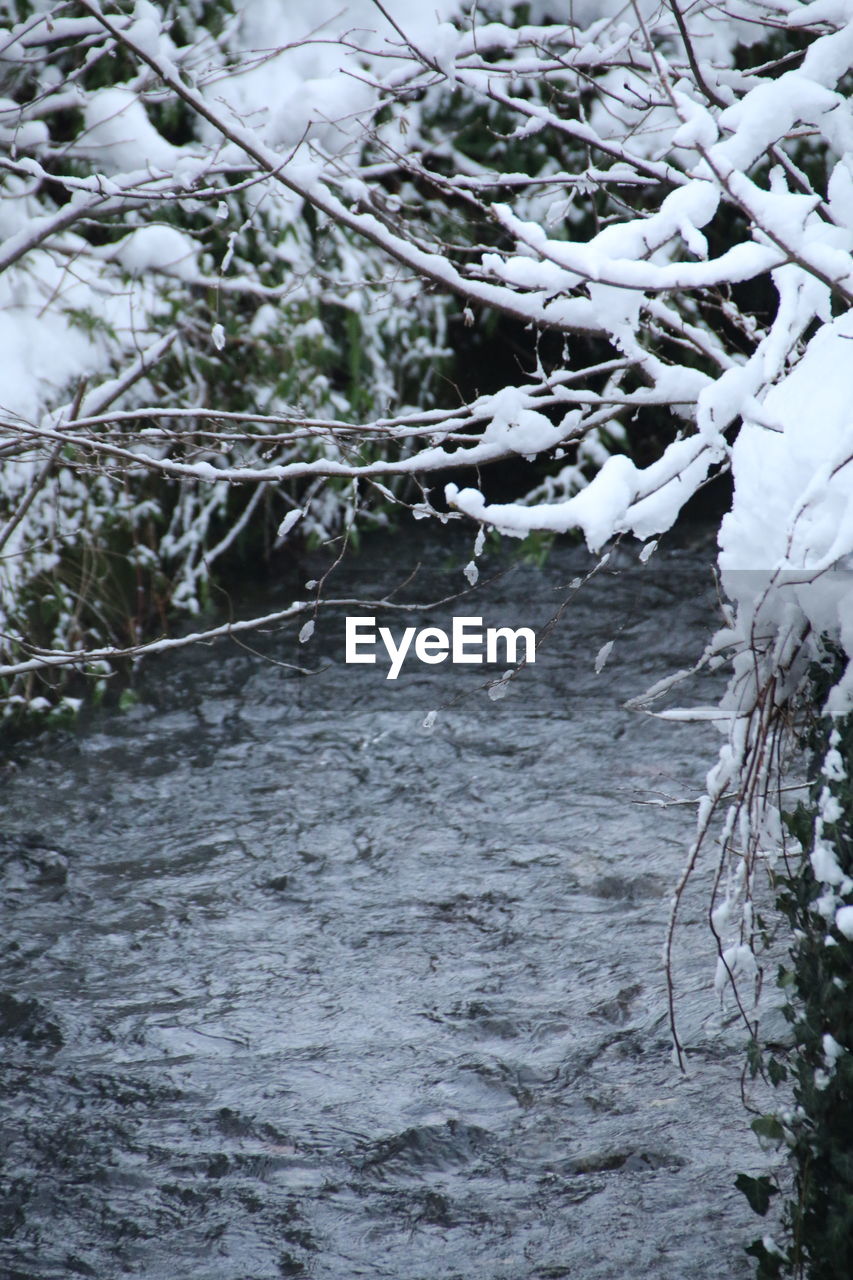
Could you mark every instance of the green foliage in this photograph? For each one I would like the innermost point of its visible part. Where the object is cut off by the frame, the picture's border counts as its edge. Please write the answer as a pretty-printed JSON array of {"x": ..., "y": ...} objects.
[
  {"x": 758, "y": 1191},
  {"x": 89, "y": 321},
  {"x": 536, "y": 548},
  {"x": 818, "y": 1132},
  {"x": 770, "y": 1260}
]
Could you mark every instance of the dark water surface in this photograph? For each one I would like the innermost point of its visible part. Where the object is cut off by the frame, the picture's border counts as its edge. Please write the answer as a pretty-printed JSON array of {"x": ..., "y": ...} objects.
[{"x": 292, "y": 987}]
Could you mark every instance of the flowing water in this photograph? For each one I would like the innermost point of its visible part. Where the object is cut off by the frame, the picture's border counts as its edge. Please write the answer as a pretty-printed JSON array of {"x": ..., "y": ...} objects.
[{"x": 291, "y": 986}]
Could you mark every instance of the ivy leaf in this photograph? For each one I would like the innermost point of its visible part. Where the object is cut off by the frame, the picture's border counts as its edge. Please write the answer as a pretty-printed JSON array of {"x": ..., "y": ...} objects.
[
  {"x": 777, "y": 1071},
  {"x": 769, "y": 1264},
  {"x": 757, "y": 1191},
  {"x": 768, "y": 1127}
]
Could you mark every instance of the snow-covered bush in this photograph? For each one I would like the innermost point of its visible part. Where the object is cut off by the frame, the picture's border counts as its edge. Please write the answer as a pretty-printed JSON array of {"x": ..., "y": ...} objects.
[{"x": 144, "y": 270}]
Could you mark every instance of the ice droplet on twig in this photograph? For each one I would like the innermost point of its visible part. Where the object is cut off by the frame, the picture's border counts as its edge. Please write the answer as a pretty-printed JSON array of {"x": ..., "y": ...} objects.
[
  {"x": 602, "y": 656},
  {"x": 289, "y": 521},
  {"x": 500, "y": 688}
]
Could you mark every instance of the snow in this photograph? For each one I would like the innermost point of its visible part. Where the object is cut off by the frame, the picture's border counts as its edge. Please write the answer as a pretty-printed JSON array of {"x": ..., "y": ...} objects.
[
  {"x": 517, "y": 428},
  {"x": 833, "y": 766},
  {"x": 844, "y": 921},
  {"x": 832, "y": 1050},
  {"x": 825, "y": 863},
  {"x": 790, "y": 518},
  {"x": 46, "y": 349},
  {"x": 441, "y": 46},
  {"x": 736, "y": 962},
  {"x": 300, "y": 94},
  {"x": 157, "y": 247},
  {"x": 700, "y": 129},
  {"x": 120, "y": 138},
  {"x": 146, "y": 30},
  {"x": 620, "y": 497},
  {"x": 327, "y": 110}
]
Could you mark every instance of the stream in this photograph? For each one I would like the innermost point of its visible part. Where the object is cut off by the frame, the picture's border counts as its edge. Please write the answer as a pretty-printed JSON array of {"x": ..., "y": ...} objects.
[{"x": 293, "y": 986}]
